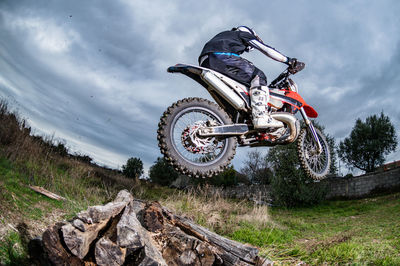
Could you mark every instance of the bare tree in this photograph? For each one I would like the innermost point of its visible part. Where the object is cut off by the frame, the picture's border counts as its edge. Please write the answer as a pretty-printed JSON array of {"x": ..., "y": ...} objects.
[{"x": 256, "y": 168}]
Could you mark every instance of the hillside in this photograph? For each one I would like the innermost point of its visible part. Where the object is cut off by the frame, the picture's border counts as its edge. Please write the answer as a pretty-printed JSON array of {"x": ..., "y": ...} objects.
[{"x": 365, "y": 231}]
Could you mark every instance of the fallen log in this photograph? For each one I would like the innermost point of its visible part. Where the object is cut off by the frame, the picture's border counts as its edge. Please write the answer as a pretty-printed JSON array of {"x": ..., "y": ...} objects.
[
  {"x": 128, "y": 231},
  {"x": 47, "y": 193}
]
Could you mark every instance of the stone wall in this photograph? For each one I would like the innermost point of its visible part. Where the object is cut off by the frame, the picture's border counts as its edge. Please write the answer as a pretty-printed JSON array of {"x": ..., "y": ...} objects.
[
  {"x": 260, "y": 194},
  {"x": 338, "y": 187},
  {"x": 360, "y": 186}
]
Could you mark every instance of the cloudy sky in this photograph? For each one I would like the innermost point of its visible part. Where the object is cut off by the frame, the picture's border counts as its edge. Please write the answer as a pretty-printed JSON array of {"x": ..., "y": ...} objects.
[{"x": 93, "y": 73}]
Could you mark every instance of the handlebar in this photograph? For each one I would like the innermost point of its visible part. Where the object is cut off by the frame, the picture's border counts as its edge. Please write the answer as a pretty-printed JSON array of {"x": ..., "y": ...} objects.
[
  {"x": 284, "y": 75},
  {"x": 290, "y": 70}
]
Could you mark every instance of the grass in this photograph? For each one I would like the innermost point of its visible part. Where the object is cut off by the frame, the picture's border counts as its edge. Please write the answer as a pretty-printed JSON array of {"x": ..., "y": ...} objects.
[
  {"x": 364, "y": 231},
  {"x": 12, "y": 250},
  {"x": 361, "y": 232}
]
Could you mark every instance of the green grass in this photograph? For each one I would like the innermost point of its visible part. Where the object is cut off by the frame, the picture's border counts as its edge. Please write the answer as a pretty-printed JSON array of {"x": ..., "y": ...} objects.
[
  {"x": 12, "y": 250},
  {"x": 21, "y": 206},
  {"x": 360, "y": 232},
  {"x": 365, "y": 231},
  {"x": 18, "y": 197}
]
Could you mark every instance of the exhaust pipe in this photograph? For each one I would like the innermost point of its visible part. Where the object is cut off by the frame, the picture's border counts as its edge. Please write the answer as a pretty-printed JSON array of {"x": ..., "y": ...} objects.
[{"x": 291, "y": 122}]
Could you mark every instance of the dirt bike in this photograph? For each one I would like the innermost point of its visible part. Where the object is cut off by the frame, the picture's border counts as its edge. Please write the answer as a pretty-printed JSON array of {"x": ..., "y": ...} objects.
[{"x": 199, "y": 137}]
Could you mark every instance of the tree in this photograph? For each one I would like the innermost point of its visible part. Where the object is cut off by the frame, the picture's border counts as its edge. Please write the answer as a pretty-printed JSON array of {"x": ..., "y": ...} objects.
[
  {"x": 290, "y": 186},
  {"x": 162, "y": 172},
  {"x": 229, "y": 177},
  {"x": 133, "y": 168},
  {"x": 256, "y": 168},
  {"x": 369, "y": 142}
]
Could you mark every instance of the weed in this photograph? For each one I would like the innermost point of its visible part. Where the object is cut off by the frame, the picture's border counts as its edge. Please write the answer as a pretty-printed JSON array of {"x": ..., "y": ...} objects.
[{"x": 12, "y": 251}]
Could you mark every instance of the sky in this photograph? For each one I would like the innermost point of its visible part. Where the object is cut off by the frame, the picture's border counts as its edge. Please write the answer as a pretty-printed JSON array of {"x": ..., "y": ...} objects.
[{"x": 92, "y": 74}]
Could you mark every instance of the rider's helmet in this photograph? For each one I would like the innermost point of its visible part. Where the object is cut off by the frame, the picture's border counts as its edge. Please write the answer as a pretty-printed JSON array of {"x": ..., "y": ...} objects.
[{"x": 246, "y": 29}]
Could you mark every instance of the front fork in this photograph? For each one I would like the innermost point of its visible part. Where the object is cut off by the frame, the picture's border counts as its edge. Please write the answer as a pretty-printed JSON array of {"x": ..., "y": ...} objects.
[{"x": 312, "y": 129}]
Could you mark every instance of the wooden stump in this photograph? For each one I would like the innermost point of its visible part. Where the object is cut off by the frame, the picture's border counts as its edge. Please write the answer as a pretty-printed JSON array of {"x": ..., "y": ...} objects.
[{"x": 132, "y": 232}]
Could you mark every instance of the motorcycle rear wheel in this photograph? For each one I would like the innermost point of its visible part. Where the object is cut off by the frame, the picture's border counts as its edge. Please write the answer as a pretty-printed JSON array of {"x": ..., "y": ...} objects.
[
  {"x": 315, "y": 165},
  {"x": 187, "y": 152}
]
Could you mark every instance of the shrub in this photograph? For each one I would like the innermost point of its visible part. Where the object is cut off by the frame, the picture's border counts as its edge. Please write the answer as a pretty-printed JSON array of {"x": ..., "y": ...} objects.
[
  {"x": 290, "y": 186},
  {"x": 162, "y": 172}
]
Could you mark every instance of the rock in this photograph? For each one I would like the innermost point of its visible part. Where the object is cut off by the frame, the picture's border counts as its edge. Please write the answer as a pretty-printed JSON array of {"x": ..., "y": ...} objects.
[
  {"x": 96, "y": 214},
  {"x": 124, "y": 196},
  {"x": 129, "y": 229},
  {"x": 153, "y": 217},
  {"x": 183, "y": 249}
]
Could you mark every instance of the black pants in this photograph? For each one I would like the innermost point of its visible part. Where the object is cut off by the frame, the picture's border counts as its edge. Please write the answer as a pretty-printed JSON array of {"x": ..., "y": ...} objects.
[{"x": 235, "y": 67}]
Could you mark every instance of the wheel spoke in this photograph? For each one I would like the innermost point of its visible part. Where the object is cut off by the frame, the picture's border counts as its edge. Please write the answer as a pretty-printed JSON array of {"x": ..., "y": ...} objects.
[
  {"x": 189, "y": 145},
  {"x": 318, "y": 164}
]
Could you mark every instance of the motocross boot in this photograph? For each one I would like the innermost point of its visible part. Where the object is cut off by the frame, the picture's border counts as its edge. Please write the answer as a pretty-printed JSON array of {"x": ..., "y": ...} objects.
[{"x": 259, "y": 97}]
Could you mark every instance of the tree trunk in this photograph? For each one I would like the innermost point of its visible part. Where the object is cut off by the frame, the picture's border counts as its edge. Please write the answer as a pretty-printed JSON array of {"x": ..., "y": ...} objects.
[{"x": 132, "y": 232}]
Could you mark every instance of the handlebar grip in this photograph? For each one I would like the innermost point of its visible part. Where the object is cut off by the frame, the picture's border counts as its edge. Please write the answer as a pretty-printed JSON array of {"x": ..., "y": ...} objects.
[{"x": 299, "y": 66}]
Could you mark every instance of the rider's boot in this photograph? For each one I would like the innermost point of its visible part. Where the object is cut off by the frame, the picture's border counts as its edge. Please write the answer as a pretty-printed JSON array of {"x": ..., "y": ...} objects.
[{"x": 259, "y": 97}]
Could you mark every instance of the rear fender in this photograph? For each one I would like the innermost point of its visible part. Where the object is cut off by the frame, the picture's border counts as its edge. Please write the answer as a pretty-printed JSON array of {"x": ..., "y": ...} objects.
[{"x": 217, "y": 84}]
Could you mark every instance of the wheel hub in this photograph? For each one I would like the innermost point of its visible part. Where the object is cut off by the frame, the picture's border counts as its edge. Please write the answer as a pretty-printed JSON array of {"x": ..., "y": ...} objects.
[{"x": 193, "y": 143}]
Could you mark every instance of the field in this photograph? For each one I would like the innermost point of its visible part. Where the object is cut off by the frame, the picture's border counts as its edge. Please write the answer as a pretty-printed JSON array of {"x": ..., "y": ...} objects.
[{"x": 364, "y": 231}]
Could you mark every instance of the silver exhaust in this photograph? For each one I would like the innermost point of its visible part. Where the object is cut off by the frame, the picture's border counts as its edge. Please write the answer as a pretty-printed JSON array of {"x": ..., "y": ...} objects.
[{"x": 293, "y": 124}]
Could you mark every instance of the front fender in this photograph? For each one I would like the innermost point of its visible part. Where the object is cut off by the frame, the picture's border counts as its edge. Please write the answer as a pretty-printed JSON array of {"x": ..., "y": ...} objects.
[{"x": 310, "y": 111}]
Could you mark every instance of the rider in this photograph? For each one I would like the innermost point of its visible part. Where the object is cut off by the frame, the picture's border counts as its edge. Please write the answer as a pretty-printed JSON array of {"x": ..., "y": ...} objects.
[{"x": 221, "y": 54}]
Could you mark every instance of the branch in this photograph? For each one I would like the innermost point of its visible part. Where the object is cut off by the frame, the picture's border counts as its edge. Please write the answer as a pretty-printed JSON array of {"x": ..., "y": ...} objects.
[{"x": 47, "y": 193}]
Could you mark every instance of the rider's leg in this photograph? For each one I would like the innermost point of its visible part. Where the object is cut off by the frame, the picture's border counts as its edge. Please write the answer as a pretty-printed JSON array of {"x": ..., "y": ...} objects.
[
  {"x": 259, "y": 97},
  {"x": 246, "y": 73},
  {"x": 234, "y": 67}
]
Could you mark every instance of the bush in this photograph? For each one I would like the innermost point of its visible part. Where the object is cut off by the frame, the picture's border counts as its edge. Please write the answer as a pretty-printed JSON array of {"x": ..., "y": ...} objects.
[
  {"x": 162, "y": 172},
  {"x": 229, "y": 177},
  {"x": 290, "y": 186}
]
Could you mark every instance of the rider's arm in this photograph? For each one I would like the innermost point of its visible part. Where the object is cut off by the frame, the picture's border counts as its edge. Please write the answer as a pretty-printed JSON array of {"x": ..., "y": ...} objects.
[{"x": 269, "y": 51}]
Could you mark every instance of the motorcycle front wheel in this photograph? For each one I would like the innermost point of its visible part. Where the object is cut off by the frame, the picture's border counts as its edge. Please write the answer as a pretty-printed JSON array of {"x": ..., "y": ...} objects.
[
  {"x": 316, "y": 165},
  {"x": 184, "y": 149}
]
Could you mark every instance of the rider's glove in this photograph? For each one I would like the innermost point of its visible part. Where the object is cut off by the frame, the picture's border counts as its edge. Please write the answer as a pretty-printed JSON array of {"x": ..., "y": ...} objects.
[
  {"x": 295, "y": 66},
  {"x": 291, "y": 61}
]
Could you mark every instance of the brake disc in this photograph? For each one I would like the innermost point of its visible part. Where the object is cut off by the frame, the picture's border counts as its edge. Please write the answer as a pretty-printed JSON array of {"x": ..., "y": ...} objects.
[{"x": 193, "y": 143}]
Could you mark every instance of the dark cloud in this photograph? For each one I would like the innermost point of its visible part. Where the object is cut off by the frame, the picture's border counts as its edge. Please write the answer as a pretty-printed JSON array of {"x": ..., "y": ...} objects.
[{"x": 94, "y": 72}]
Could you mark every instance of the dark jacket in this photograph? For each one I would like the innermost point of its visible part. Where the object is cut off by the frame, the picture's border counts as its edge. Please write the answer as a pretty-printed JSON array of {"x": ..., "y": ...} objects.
[{"x": 228, "y": 42}]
